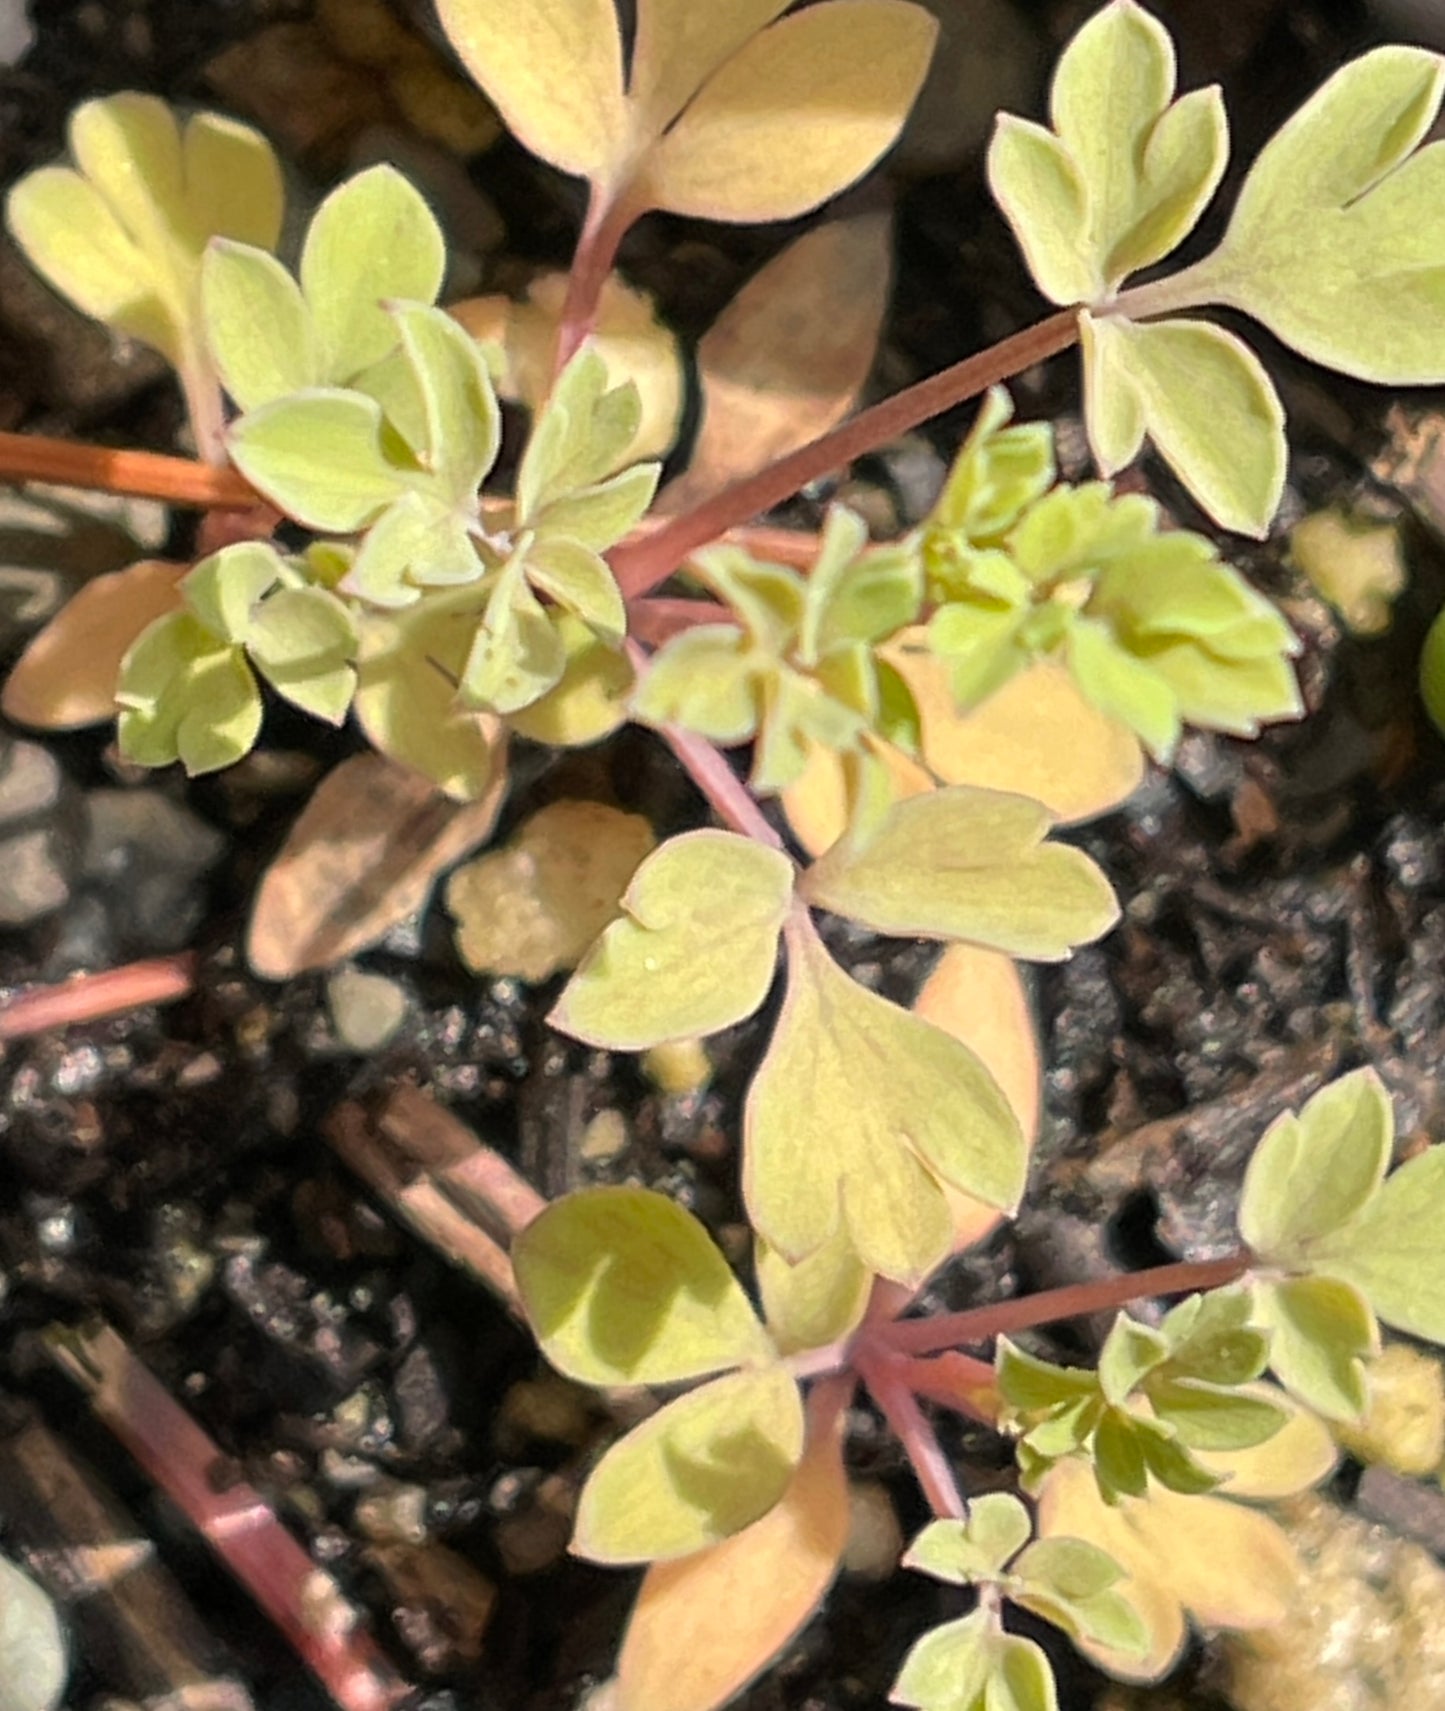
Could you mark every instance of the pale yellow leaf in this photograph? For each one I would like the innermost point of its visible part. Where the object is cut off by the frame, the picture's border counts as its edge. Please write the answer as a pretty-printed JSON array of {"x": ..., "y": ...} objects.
[
  {"x": 816, "y": 803},
  {"x": 1037, "y": 735},
  {"x": 786, "y": 360},
  {"x": 799, "y": 113},
  {"x": 680, "y": 42},
  {"x": 362, "y": 857},
  {"x": 978, "y": 996},
  {"x": 67, "y": 676},
  {"x": 553, "y": 69},
  {"x": 703, "y": 1627},
  {"x": 1299, "y": 1455},
  {"x": 816, "y": 1301}
]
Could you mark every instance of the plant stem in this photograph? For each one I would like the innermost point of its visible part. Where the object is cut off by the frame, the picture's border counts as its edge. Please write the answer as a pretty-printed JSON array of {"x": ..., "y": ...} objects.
[
  {"x": 147, "y": 475},
  {"x": 640, "y": 565},
  {"x": 955, "y": 1381},
  {"x": 728, "y": 796},
  {"x": 605, "y": 227},
  {"x": 890, "y": 1390},
  {"x": 980, "y": 1324},
  {"x": 89, "y": 997}
]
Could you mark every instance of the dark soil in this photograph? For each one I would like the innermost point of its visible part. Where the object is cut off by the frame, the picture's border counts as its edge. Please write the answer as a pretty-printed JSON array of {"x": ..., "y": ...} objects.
[{"x": 1284, "y": 920}]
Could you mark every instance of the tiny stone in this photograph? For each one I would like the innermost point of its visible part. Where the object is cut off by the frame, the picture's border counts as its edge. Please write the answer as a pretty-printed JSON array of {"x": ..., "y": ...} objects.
[
  {"x": 604, "y": 1138},
  {"x": 29, "y": 782},
  {"x": 366, "y": 1009},
  {"x": 32, "y": 879},
  {"x": 875, "y": 1538},
  {"x": 393, "y": 1513},
  {"x": 17, "y": 33}
]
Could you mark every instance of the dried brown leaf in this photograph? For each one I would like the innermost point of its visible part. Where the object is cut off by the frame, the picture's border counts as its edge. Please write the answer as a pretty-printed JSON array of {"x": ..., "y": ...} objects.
[
  {"x": 787, "y": 358},
  {"x": 362, "y": 857}
]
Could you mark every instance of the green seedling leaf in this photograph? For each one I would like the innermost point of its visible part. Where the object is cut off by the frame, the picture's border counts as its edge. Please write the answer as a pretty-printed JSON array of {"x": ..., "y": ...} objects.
[
  {"x": 576, "y": 117},
  {"x": 802, "y": 110},
  {"x": 1334, "y": 244},
  {"x": 1204, "y": 399},
  {"x": 697, "y": 1472},
  {"x": 589, "y": 700},
  {"x": 1322, "y": 1333},
  {"x": 1073, "y": 1584},
  {"x": 1030, "y": 1385},
  {"x": 1126, "y": 172},
  {"x": 623, "y": 1286},
  {"x": 516, "y": 655},
  {"x": 967, "y": 864},
  {"x": 463, "y": 421},
  {"x": 318, "y": 457},
  {"x": 817, "y": 1301},
  {"x": 1301, "y": 1454},
  {"x": 123, "y": 237},
  {"x": 964, "y": 1552},
  {"x": 949, "y": 1668},
  {"x": 1311, "y": 1174},
  {"x": 1390, "y": 1251},
  {"x": 185, "y": 697},
  {"x": 695, "y": 951},
  {"x": 257, "y": 325},
  {"x": 833, "y": 1138},
  {"x": 1130, "y": 1351},
  {"x": 303, "y": 641}
]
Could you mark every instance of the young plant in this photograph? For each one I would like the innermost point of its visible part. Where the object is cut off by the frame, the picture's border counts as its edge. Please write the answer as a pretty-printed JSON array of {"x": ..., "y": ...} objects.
[{"x": 876, "y": 1143}]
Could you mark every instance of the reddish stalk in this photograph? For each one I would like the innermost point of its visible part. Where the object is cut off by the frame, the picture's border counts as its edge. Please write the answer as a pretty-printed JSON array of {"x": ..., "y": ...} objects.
[
  {"x": 89, "y": 997},
  {"x": 955, "y": 1381},
  {"x": 304, "y": 1602},
  {"x": 655, "y": 618},
  {"x": 641, "y": 564},
  {"x": 980, "y": 1324},
  {"x": 146, "y": 475},
  {"x": 890, "y": 1389},
  {"x": 606, "y": 225}
]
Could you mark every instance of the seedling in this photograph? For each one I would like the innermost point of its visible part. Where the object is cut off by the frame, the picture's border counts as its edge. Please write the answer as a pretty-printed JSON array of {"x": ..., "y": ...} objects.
[{"x": 876, "y": 1143}]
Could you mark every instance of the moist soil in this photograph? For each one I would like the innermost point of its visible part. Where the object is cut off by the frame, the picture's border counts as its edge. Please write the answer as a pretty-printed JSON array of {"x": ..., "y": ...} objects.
[{"x": 1284, "y": 920}]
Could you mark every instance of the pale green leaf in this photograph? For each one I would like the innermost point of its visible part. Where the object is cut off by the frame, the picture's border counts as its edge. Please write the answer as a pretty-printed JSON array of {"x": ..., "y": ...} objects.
[
  {"x": 516, "y": 655},
  {"x": 963, "y": 863},
  {"x": 706, "y": 680},
  {"x": 317, "y": 456},
  {"x": 1124, "y": 687},
  {"x": 1022, "y": 1678},
  {"x": 698, "y": 1471},
  {"x": 796, "y": 115},
  {"x": 463, "y": 418},
  {"x": 1211, "y": 1339},
  {"x": 679, "y": 43},
  {"x": 1218, "y": 693},
  {"x": 996, "y": 1529},
  {"x": 1206, "y": 1417},
  {"x": 419, "y": 542},
  {"x": 834, "y": 1136},
  {"x": 183, "y": 698},
  {"x": 406, "y": 696},
  {"x": 373, "y": 241},
  {"x": 1335, "y": 243},
  {"x": 1130, "y": 1351},
  {"x": 222, "y": 590},
  {"x": 583, "y": 434},
  {"x": 257, "y": 325},
  {"x": 589, "y": 700},
  {"x": 303, "y": 642},
  {"x": 695, "y": 951},
  {"x": 948, "y": 1668},
  {"x": 1067, "y": 1568},
  {"x": 1313, "y": 1172},
  {"x": 1322, "y": 1332},
  {"x": 817, "y": 1301},
  {"x": 577, "y": 578},
  {"x": 129, "y": 147},
  {"x": 600, "y": 516},
  {"x": 624, "y": 1286},
  {"x": 1029, "y": 1384},
  {"x": 1391, "y": 1250},
  {"x": 1120, "y": 1465},
  {"x": 233, "y": 180},
  {"x": 1204, "y": 399},
  {"x": 553, "y": 69},
  {"x": 1038, "y": 188}
]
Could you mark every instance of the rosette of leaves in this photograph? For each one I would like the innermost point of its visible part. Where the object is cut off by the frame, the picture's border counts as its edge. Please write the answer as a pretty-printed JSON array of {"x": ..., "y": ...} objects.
[
  {"x": 1333, "y": 245},
  {"x": 1156, "y": 631},
  {"x": 973, "y": 1664},
  {"x": 800, "y": 668},
  {"x": 188, "y": 686},
  {"x": 1341, "y": 1245},
  {"x": 860, "y": 1112},
  {"x": 1155, "y": 1398}
]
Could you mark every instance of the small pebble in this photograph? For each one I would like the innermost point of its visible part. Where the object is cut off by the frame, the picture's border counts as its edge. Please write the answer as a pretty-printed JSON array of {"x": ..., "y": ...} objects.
[{"x": 367, "y": 1010}]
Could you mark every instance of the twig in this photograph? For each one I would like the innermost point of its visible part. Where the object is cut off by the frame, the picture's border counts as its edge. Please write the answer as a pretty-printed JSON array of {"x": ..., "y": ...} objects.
[
  {"x": 88, "y": 997},
  {"x": 304, "y": 1602},
  {"x": 146, "y": 475}
]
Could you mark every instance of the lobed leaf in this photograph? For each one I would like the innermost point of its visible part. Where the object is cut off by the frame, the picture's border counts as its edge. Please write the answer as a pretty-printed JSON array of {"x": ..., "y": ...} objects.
[
  {"x": 258, "y": 326},
  {"x": 816, "y": 1301},
  {"x": 1299, "y": 1455},
  {"x": 624, "y": 1286},
  {"x": 977, "y": 1548},
  {"x": 317, "y": 456},
  {"x": 1041, "y": 193},
  {"x": 695, "y": 952},
  {"x": 949, "y": 1667},
  {"x": 695, "y": 1473},
  {"x": 463, "y": 420},
  {"x": 1321, "y": 1333},
  {"x": 834, "y": 1137},
  {"x": 799, "y": 112},
  {"x": 967, "y": 864},
  {"x": 183, "y": 696}
]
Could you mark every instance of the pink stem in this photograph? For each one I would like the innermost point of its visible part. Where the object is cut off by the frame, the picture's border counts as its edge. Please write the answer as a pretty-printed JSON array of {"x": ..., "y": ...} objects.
[
  {"x": 890, "y": 1389},
  {"x": 606, "y": 225},
  {"x": 642, "y": 563},
  {"x": 302, "y": 1600},
  {"x": 88, "y": 997},
  {"x": 655, "y": 619},
  {"x": 955, "y": 1381},
  {"x": 980, "y": 1324}
]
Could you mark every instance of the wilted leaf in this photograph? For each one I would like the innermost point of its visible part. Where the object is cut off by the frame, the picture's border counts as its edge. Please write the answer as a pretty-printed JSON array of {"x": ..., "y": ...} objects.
[
  {"x": 787, "y": 358},
  {"x": 963, "y": 863},
  {"x": 553, "y": 69},
  {"x": 362, "y": 856},
  {"x": 67, "y": 676},
  {"x": 795, "y": 115},
  {"x": 34, "y": 1664},
  {"x": 1334, "y": 243},
  {"x": 1204, "y": 399},
  {"x": 835, "y": 1137},
  {"x": 1355, "y": 562},
  {"x": 696, "y": 1472},
  {"x": 700, "y": 1631},
  {"x": 624, "y": 1286},
  {"x": 695, "y": 951},
  {"x": 534, "y": 907}
]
